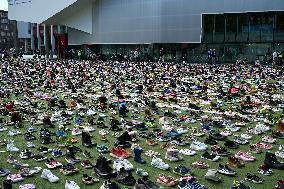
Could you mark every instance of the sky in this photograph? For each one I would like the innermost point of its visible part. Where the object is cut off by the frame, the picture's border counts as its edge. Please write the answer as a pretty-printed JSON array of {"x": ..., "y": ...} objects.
[{"x": 3, "y": 5}]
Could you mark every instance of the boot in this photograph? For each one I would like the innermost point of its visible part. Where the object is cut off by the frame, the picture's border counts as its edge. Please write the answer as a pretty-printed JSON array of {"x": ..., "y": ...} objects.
[
  {"x": 124, "y": 139},
  {"x": 102, "y": 168},
  {"x": 7, "y": 184},
  {"x": 137, "y": 155},
  {"x": 271, "y": 161},
  {"x": 70, "y": 155},
  {"x": 86, "y": 139},
  {"x": 173, "y": 155}
]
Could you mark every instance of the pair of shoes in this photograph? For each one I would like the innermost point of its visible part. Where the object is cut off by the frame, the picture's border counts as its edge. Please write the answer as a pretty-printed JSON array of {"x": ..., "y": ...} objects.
[
  {"x": 212, "y": 175},
  {"x": 190, "y": 182},
  {"x": 182, "y": 170},
  {"x": 158, "y": 163},
  {"x": 122, "y": 163},
  {"x": 52, "y": 163},
  {"x": 89, "y": 180},
  {"x": 137, "y": 155},
  {"x": 69, "y": 169},
  {"x": 119, "y": 152},
  {"x": 102, "y": 168},
  {"x": 173, "y": 155},
  {"x": 48, "y": 175},
  {"x": 168, "y": 181},
  {"x": 145, "y": 183},
  {"x": 125, "y": 177},
  {"x": 109, "y": 185}
]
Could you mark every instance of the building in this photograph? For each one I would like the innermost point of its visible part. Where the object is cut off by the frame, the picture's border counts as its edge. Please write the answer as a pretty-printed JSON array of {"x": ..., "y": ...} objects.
[
  {"x": 182, "y": 28},
  {"x": 8, "y": 31}
]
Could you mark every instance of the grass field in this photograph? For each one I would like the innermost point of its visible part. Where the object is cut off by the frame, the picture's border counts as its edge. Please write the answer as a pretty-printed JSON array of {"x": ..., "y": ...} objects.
[{"x": 153, "y": 172}]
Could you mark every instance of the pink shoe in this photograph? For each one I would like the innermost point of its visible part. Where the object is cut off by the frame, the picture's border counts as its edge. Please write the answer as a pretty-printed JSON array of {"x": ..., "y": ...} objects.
[
  {"x": 264, "y": 146},
  {"x": 244, "y": 156}
]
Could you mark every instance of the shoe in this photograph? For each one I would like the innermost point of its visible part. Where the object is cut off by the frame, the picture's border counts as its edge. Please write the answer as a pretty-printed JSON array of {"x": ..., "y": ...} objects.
[
  {"x": 224, "y": 169},
  {"x": 26, "y": 154},
  {"x": 210, "y": 157},
  {"x": 235, "y": 162},
  {"x": 158, "y": 163},
  {"x": 88, "y": 180},
  {"x": 271, "y": 161},
  {"x": 141, "y": 172},
  {"x": 173, "y": 155},
  {"x": 244, "y": 156},
  {"x": 87, "y": 164},
  {"x": 137, "y": 155},
  {"x": 264, "y": 146},
  {"x": 217, "y": 136},
  {"x": 167, "y": 180},
  {"x": 15, "y": 178},
  {"x": 149, "y": 184},
  {"x": 198, "y": 146},
  {"x": 187, "y": 152},
  {"x": 11, "y": 147},
  {"x": 219, "y": 150},
  {"x": 182, "y": 171},
  {"x": 277, "y": 134},
  {"x": 39, "y": 158},
  {"x": 52, "y": 163},
  {"x": 57, "y": 153},
  {"x": 200, "y": 165},
  {"x": 231, "y": 144},
  {"x": 119, "y": 152},
  {"x": 47, "y": 174},
  {"x": 255, "y": 149},
  {"x": 27, "y": 186},
  {"x": 246, "y": 136},
  {"x": 212, "y": 175},
  {"x": 44, "y": 150},
  {"x": 102, "y": 167},
  {"x": 210, "y": 141},
  {"x": 68, "y": 169},
  {"x": 268, "y": 139},
  {"x": 102, "y": 148},
  {"x": 71, "y": 185},
  {"x": 239, "y": 184},
  {"x": 76, "y": 131},
  {"x": 109, "y": 185},
  {"x": 86, "y": 139},
  {"x": 4, "y": 172},
  {"x": 253, "y": 178},
  {"x": 125, "y": 177},
  {"x": 264, "y": 170},
  {"x": 30, "y": 145},
  {"x": 280, "y": 184}
]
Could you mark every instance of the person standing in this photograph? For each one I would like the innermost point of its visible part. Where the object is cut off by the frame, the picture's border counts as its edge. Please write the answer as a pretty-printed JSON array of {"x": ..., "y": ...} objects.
[
  {"x": 275, "y": 56},
  {"x": 209, "y": 56}
]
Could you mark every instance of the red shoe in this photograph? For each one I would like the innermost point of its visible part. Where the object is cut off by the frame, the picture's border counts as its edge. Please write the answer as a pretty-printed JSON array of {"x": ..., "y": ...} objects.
[
  {"x": 264, "y": 146},
  {"x": 119, "y": 152},
  {"x": 280, "y": 184}
]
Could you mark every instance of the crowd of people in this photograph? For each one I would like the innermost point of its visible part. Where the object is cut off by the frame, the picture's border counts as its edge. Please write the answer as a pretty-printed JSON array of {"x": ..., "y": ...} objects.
[{"x": 145, "y": 125}]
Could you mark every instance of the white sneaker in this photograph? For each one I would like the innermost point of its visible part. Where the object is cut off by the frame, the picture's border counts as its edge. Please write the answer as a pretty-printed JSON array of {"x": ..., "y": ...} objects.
[
  {"x": 47, "y": 174},
  {"x": 198, "y": 146},
  {"x": 71, "y": 185},
  {"x": 279, "y": 154},
  {"x": 246, "y": 136},
  {"x": 11, "y": 147},
  {"x": 158, "y": 162},
  {"x": 187, "y": 152}
]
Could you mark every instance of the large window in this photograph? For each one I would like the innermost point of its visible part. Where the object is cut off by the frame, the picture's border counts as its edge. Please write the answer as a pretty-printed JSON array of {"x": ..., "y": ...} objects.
[
  {"x": 219, "y": 28},
  {"x": 231, "y": 27},
  {"x": 208, "y": 26},
  {"x": 279, "y": 27},
  {"x": 242, "y": 28}
]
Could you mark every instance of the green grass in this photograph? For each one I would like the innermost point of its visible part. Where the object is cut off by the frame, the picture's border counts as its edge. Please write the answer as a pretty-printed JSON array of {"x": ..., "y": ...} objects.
[{"x": 250, "y": 167}]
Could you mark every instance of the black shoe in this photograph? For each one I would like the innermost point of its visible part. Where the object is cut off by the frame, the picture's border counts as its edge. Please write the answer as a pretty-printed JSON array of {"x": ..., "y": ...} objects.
[
  {"x": 217, "y": 136},
  {"x": 277, "y": 134},
  {"x": 224, "y": 169},
  {"x": 231, "y": 144},
  {"x": 102, "y": 168},
  {"x": 86, "y": 139},
  {"x": 254, "y": 178},
  {"x": 210, "y": 157},
  {"x": 149, "y": 184},
  {"x": 125, "y": 177},
  {"x": 271, "y": 161},
  {"x": 29, "y": 136},
  {"x": 210, "y": 141}
]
